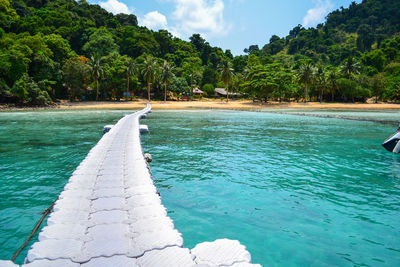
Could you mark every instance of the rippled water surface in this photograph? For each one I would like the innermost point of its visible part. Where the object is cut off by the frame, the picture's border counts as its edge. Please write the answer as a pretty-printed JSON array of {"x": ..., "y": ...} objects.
[
  {"x": 38, "y": 153},
  {"x": 296, "y": 190}
]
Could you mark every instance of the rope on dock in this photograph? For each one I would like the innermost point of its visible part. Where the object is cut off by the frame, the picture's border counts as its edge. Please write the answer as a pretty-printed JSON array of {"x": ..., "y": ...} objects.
[{"x": 46, "y": 212}]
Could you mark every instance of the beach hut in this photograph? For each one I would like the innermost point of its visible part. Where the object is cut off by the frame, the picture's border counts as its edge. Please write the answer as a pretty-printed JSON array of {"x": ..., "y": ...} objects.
[
  {"x": 197, "y": 91},
  {"x": 221, "y": 92}
]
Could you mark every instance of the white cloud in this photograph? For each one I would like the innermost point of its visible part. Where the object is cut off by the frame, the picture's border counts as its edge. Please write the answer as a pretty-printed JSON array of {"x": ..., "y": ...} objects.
[
  {"x": 115, "y": 7},
  {"x": 175, "y": 32},
  {"x": 200, "y": 16},
  {"x": 154, "y": 20},
  {"x": 317, "y": 14}
]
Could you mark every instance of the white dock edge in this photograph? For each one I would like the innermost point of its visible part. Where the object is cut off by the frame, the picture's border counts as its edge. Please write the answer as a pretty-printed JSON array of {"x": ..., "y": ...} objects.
[{"x": 110, "y": 214}]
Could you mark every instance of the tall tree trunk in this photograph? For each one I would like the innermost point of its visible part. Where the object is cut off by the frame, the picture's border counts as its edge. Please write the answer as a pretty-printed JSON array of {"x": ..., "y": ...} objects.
[
  {"x": 104, "y": 90},
  {"x": 227, "y": 93},
  {"x": 127, "y": 89},
  {"x": 321, "y": 92},
  {"x": 305, "y": 93},
  {"x": 97, "y": 89},
  {"x": 332, "y": 97},
  {"x": 165, "y": 93},
  {"x": 148, "y": 91}
]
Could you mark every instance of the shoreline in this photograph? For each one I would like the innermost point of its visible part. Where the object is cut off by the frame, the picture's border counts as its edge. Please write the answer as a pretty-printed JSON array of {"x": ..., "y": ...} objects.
[{"x": 245, "y": 105}]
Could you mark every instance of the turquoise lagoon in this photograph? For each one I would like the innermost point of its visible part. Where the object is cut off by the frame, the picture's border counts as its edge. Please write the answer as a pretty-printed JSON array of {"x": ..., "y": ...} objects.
[{"x": 296, "y": 190}]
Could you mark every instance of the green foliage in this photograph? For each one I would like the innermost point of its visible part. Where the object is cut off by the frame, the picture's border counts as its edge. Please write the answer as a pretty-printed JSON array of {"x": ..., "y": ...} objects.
[
  {"x": 28, "y": 91},
  {"x": 166, "y": 76},
  {"x": 306, "y": 77},
  {"x": 209, "y": 89},
  {"x": 356, "y": 51},
  {"x": 226, "y": 71},
  {"x": 59, "y": 47},
  {"x": 350, "y": 67},
  {"x": 100, "y": 43},
  {"x": 252, "y": 50},
  {"x": 261, "y": 81},
  {"x": 76, "y": 74},
  {"x": 20, "y": 88},
  {"x": 149, "y": 69},
  {"x": 8, "y": 15},
  {"x": 365, "y": 37},
  {"x": 114, "y": 77},
  {"x": 375, "y": 59},
  {"x": 276, "y": 45},
  {"x": 378, "y": 83},
  {"x": 220, "y": 84},
  {"x": 350, "y": 90},
  {"x": 210, "y": 76},
  {"x": 393, "y": 92},
  {"x": 96, "y": 70},
  {"x": 239, "y": 63},
  {"x": 179, "y": 85},
  {"x": 127, "y": 20},
  {"x": 136, "y": 42},
  {"x": 192, "y": 70}
]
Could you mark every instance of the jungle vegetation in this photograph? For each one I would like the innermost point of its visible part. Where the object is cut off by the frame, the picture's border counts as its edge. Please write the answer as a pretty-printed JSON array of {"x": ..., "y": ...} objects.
[{"x": 66, "y": 49}]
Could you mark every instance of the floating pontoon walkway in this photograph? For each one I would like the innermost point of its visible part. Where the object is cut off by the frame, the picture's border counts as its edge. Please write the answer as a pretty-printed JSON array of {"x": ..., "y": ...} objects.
[{"x": 110, "y": 215}]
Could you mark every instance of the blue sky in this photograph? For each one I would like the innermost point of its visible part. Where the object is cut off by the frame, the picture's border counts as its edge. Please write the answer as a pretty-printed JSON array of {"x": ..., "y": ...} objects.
[{"x": 229, "y": 24}]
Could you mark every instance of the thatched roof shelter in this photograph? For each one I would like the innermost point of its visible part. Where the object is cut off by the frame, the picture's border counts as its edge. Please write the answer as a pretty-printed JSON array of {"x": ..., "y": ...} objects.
[{"x": 197, "y": 91}]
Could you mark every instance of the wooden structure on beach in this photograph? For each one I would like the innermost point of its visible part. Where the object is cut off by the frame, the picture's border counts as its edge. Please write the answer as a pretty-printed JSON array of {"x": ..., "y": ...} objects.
[{"x": 110, "y": 214}]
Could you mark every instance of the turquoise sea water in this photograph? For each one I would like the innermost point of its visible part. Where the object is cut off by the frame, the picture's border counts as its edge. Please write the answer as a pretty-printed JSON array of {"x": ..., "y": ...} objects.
[
  {"x": 38, "y": 153},
  {"x": 296, "y": 190}
]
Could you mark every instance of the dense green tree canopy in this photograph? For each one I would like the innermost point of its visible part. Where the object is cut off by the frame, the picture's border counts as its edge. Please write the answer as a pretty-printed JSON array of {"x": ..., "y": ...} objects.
[{"x": 73, "y": 49}]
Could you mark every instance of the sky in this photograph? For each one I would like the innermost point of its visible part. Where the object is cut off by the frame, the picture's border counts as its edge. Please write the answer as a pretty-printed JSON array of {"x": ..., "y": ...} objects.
[{"x": 229, "y": 24}]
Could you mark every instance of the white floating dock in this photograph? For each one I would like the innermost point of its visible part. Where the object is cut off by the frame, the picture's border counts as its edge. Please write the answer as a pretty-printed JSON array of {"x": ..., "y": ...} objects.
[{"x": 110, "y": 215}]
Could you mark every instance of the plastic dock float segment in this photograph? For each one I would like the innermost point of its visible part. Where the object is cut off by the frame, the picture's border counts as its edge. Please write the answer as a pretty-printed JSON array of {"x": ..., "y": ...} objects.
[
  {"x": 143, "y": 129},
  {"x": 110, "y": 215}
]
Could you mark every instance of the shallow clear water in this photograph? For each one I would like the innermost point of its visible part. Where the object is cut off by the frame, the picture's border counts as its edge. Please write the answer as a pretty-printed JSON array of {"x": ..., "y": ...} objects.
[
  {"x": 38, "y": 153},
  {"x": 385, "y": 115},
  {"x": 297, "y": 191}
]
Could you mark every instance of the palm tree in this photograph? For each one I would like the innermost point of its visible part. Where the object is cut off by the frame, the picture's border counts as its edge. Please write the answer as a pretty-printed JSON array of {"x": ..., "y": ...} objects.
[
  {"x": 235, "y": 83},
  {"x": 332, "y": 78},
  {"x": 322, "y": 80},
  {"x": 130, "y": 71},
  {"x": 166, "y": 76},
  {"x": 149, "y": 69},
  {"x": 305, "y": 75},
  {"x": 226, "y": 72},
  {"x": 96, "y": 71},
  {"x": 350, "y": 67}
]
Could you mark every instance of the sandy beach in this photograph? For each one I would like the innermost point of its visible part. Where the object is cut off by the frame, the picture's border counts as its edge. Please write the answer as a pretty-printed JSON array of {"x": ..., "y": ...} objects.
[
  {"x": 233, "y": 105},
  {"x": 210, "y": 104}
]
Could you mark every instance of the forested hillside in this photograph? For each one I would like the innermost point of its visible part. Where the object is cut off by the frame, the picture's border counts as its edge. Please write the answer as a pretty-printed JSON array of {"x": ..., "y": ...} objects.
[
  {"x": 66, "y": 49},
  {"x": 354, "y": 55}
]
